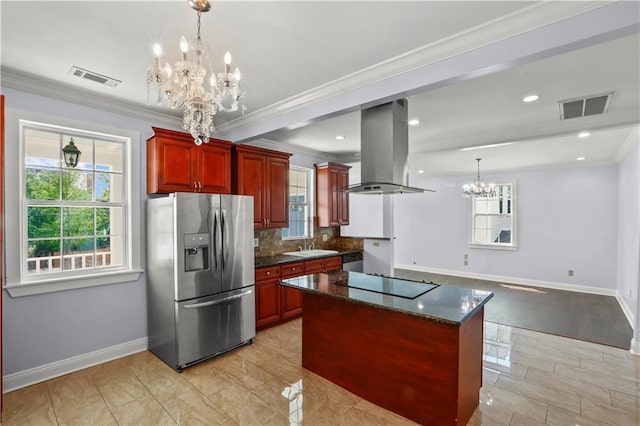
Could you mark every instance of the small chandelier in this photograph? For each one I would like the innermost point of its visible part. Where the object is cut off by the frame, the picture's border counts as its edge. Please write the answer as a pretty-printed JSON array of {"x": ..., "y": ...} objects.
[
  {"x": 479, "y": 188},
  {"x": 183, "y": 85},
  {"x": 71, "y": 154}
]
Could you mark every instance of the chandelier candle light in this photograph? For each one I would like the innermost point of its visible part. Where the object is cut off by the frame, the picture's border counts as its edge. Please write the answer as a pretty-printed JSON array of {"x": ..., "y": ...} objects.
[
  {"x": 183, "y": 85},
  {"x": 479, "y": 188}
]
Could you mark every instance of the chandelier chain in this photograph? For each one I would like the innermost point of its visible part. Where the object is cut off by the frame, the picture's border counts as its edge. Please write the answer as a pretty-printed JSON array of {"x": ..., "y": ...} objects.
[{"x": 199, "y": 14}]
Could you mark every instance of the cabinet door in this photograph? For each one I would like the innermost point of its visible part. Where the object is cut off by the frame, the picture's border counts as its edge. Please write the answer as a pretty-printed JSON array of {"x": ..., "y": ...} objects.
[
  {"x": 291, "y": 299},
  {"x": 214, "y": 168},
  {"x": 291, "y": 302},
  {"x": 174, "y": 164},
  {"x": 267, "y": 302},
  {"x": 251, "y": 173},
  {"x": 277, "y": 193},
  {"x": 343, "y": 197},
  {"x": 334, "y": 201}
]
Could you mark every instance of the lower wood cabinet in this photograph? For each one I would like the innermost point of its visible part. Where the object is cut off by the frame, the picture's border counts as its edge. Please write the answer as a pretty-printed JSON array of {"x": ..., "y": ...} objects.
[
  {"x": 275, "y": 303},
  {"x": 290, "y": 298},
  {"x": 267, "y": 296}
]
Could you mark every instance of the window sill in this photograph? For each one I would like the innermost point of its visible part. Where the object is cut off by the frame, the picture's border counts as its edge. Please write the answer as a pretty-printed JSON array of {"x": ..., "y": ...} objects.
[
  {"x": 71, "y": 283},
  {"x": 493, "y": 247}
]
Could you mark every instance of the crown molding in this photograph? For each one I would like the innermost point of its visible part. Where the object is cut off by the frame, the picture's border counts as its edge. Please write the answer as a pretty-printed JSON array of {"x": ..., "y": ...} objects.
[
  {"x": 292, "y": 149},
  {"x": 519, "y": 22},
  {"x": 18, "y": 80},
  {"x": 632, "y": 139}
]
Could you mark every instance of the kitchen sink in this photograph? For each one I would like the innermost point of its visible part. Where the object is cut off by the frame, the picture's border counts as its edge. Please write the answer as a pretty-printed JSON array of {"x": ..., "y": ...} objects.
[{"x": 311, "y": 253}]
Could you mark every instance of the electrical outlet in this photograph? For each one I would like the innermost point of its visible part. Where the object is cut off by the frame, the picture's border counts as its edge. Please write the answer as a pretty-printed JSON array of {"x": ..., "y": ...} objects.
[
  {"x": 570, "y": 272},
  {"x": 325, "y": 237},
  {"x": 256, "y": 242},
  {"x": 466, "y": 262},
  {"x": 466, "y": 256},
  {"x": 376, "y": 244}
]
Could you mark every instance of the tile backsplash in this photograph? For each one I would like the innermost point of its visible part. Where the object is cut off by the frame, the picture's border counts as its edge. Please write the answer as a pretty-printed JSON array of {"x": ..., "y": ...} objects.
[{"x": 270, "y": 242}]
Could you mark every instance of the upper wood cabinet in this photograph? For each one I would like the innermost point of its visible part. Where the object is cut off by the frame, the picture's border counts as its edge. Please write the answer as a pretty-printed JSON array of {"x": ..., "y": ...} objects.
[
  {"x": 264, "y": 174},
  {"x": 332, "y": 204},
  {"x": 176, "y": 164}
]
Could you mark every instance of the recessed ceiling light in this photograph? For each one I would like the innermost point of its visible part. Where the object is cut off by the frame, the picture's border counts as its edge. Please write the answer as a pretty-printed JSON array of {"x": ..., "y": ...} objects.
[
  {"x": 584, "y": 134},
  {"x": 340, "y": 137},
  {"x": 414, "y": 122},
  {"x": 493, "y": 145},
  {"x": 580, "y": 158},
  {"x": 420, "y": 171},
  {"x": 530, "y": 98}
]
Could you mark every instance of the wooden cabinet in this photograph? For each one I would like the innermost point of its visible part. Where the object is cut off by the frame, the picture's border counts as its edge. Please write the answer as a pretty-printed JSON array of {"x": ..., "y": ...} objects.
[
  {"x": 333, "y": 263},
  {"x": 267, "y": 296},
  {"x": 332, "y": 204},
  {"x": 263, "y": 174},
  {"x": 176, "y": 164},
  {"x": 275, "y": 303},
  {"x": 291, "y": 299},
  {"x": 323, "y": 265}
]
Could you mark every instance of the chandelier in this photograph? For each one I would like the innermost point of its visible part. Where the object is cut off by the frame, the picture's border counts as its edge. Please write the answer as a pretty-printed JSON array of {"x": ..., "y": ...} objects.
[
  {"x": 183, "y": 85},
  {"x": 479, "y": 188}
]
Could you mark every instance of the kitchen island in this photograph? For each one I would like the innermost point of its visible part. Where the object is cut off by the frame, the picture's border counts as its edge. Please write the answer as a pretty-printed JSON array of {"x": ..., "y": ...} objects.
[{"x": 412, "y": 348}]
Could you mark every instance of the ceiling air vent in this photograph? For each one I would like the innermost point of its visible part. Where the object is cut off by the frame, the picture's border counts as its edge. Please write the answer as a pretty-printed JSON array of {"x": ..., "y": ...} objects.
[
  {"x": 582, "y": 107},
  {"x": 90, "y": 75}
]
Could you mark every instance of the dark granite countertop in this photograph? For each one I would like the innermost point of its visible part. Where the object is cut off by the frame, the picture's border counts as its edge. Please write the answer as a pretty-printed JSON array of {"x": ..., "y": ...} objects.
[
  {"x": 441, "y": 303},
  {"x": 281, "y": 259}
]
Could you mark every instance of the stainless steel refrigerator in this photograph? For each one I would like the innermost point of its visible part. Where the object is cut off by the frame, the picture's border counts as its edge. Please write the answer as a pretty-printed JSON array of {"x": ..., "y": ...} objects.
[{"x": 200, "y": 276}]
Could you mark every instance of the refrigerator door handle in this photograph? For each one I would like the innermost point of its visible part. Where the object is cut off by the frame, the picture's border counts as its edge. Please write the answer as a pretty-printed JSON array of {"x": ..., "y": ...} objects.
[
  {"x": 225, "y": 240},
  {"x": 217, "y": 236},
  {"x": 218, "y": 301}
]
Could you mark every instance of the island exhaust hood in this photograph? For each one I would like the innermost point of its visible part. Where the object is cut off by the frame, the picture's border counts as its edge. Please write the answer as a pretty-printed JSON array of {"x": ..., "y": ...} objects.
[{"x": 384, "y": 151}]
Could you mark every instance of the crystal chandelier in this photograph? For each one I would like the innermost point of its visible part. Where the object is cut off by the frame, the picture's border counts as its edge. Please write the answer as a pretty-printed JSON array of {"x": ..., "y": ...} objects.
[
  {"x": 182, "y": 86},
  {"x": 479, "y": 188}
]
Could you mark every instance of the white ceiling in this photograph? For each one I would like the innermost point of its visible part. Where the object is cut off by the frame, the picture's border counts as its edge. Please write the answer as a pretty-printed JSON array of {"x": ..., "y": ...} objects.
[{"x": 288, "y": 51}]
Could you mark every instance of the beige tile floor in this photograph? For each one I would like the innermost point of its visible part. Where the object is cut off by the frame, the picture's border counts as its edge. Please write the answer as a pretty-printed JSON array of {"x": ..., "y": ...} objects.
[{"x": 529, "y": 378}]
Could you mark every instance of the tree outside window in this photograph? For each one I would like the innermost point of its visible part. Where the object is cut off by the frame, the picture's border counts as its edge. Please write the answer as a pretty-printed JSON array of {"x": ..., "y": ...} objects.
[{"x": 74, "y": 216}]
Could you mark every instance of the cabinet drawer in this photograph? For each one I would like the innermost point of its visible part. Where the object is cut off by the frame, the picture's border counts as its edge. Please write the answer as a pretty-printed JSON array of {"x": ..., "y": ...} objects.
[
  {"x": 314, "y": 266},
  {"x": 333, "y": 263},
  {"x": 292, "y": 270},
  {"x": 263, "y": 274}
]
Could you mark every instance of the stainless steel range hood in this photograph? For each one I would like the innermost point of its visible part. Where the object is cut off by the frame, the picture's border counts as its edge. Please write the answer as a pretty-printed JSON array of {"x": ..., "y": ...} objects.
[{"x": 384, "y": 151}]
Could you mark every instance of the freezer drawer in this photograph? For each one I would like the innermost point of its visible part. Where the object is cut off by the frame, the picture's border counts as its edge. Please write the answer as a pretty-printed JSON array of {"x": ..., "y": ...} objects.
[{"x": 211, "y": 325}]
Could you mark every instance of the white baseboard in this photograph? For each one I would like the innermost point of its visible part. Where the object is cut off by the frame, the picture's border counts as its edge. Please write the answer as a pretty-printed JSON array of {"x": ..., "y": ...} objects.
[
  {"x": 513, "y": 280},
  {"x": 529, "y": 282},
  {"x": 627, "y": 311},
  {"x": 41, "y": 373},
  {"x": 635, "y": 347}
]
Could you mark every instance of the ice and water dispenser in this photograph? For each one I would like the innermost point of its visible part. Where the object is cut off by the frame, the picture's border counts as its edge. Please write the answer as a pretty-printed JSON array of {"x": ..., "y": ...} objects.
[{"x": 196, "y": 252}]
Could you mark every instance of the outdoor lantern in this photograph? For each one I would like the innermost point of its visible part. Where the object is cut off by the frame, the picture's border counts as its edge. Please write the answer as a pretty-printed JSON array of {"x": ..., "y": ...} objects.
[{"x": 71, "y": 154}]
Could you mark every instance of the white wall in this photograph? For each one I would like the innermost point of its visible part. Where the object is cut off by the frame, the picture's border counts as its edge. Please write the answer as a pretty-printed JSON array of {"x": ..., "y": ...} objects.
[
  {"x": 567, "y": 219},
  {"x": 47, "y": 328},
  {"x": 629, "y": 227}
]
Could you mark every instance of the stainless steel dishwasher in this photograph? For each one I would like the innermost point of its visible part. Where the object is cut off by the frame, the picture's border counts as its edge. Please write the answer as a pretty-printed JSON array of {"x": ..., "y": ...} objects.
[{"x": 352, "y": 261}]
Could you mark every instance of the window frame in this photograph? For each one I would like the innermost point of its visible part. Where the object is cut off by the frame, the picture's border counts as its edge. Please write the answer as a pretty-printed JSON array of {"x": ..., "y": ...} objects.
[
  {"x": 514, "y": 214},
  {"x": 310, "y": 203},
  {"x": 18, "y": 282}
]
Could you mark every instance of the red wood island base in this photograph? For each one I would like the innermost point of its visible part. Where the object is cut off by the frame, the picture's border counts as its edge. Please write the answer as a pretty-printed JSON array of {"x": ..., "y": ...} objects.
[{"x": 423, "y": 369}]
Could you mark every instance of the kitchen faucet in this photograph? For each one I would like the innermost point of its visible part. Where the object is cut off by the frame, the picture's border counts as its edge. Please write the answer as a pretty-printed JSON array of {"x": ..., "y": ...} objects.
[{"x": 310, "y": 246}]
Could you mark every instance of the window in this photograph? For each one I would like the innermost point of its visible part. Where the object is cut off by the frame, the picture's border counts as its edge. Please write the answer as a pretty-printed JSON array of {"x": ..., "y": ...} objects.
[
  {"x": 493, "y": 218},
  {"x": 74, "y": 221},
  {"x": 300, "y": 206}
]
